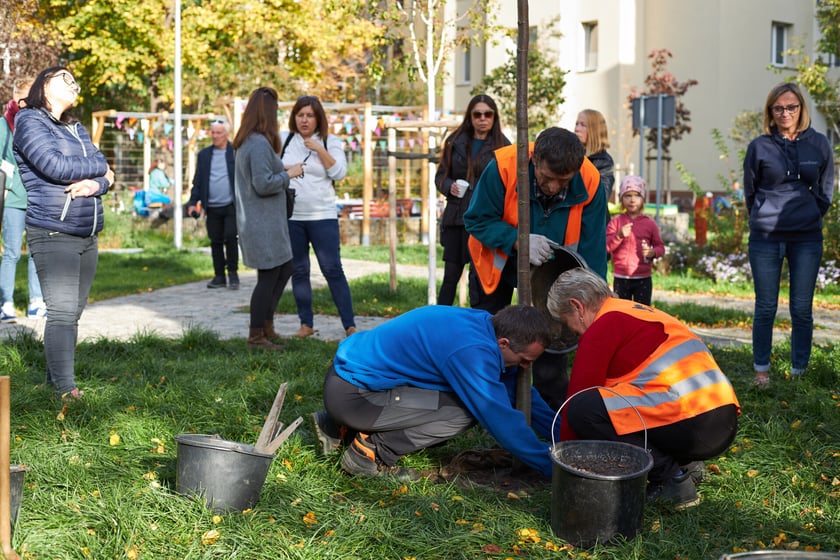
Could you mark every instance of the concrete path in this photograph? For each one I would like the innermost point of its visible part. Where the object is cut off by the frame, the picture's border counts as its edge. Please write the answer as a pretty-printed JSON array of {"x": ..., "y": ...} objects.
[{"x": 167, "y": 312}]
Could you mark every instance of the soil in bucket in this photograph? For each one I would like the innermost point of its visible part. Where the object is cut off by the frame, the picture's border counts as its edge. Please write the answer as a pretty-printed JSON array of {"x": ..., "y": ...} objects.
[
  {"x": 229, "y": 475},
  {"x": 16, "y": 491},
  {"x": 597, "y": 490}
]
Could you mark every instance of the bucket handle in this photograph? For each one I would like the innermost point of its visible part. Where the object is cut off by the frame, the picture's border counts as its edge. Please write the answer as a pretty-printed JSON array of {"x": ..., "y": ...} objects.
[{"x": 614, "y": 392}]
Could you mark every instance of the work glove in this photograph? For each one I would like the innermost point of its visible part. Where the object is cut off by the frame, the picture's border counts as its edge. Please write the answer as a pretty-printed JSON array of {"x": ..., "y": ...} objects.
[{"x": 539, "y": 249}]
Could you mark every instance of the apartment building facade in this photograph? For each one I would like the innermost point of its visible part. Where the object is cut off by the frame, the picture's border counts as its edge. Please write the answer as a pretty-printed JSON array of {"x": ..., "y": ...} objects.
[{"x": 733, "y": 48}]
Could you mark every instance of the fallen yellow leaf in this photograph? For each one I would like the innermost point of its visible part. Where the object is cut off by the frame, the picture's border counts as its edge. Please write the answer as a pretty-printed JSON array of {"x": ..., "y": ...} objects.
[
  {"x": 310, "y": 519},
  {"x": 752, "y": 473},
  {"x": 796, "y": 424},
  {"x": 210, "y": 537},
  {"x": 114, "y": 439},
  {"x": 217, "y": 519},
  {"x": 131, "y": 552}
]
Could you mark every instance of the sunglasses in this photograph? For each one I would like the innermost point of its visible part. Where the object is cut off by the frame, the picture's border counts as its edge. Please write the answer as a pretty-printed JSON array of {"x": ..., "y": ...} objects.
[{"x": 485, "y": 114}]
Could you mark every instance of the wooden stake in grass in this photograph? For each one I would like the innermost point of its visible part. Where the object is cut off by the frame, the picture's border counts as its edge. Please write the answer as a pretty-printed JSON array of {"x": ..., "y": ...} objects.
[{"x": 5, "y": 471}]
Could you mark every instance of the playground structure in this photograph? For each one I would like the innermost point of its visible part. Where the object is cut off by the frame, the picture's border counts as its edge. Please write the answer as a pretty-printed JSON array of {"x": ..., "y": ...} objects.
[{"x": 132, "y": 141}]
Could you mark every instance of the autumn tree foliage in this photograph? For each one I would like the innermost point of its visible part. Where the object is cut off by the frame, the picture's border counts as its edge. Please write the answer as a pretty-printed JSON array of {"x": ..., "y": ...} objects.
[
  {"x": 32, "y": 46},
  {"x": 122, "y": 51},
  {"x": 662, "y": 81}
]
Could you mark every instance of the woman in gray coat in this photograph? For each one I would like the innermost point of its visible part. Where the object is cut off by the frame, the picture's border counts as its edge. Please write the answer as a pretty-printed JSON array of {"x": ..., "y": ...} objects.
[{"x": 261, "y": 182}]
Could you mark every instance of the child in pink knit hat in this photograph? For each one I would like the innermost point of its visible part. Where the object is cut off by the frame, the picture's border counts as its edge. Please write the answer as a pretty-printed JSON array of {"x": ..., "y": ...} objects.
[{"x": 633, "y": 241}]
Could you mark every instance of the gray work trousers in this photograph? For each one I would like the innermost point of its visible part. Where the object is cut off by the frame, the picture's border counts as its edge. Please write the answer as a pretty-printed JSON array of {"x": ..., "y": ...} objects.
[{"x": 398, "y": 421}]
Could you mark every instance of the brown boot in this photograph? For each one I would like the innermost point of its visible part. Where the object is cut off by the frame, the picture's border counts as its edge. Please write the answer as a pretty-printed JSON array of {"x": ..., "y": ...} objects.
[
  {"x": 257, "y": 339},
  {"x": 270, "y": 333}
]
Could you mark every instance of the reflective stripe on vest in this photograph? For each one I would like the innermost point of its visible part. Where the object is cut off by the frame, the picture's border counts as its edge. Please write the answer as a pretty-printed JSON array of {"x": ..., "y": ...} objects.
[
  {"x": 488, "y": 262},
  {"x": 680, "y": 380}
]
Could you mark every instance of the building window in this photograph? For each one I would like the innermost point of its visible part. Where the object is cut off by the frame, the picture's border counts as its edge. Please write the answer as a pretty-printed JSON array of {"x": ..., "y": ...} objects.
[
  {"x": 779, "y": 43},
  {"x": 590, "y": 46},
  {"x": 466, "y": 64}
]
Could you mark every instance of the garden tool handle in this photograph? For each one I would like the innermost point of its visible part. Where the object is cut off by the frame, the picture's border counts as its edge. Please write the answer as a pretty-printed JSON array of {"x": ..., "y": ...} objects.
[
  {"x": 614, "y": 392},
  {"x": 5, "y": 472}
]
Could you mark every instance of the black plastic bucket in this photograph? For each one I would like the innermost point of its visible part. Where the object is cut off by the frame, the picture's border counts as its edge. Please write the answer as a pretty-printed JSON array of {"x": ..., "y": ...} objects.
[
  {"x": 229, "y": 475},
  {"x": 781, "y": 555},
  {"x": 18, "y": 472},
  {"x": 598, "y": 488}
]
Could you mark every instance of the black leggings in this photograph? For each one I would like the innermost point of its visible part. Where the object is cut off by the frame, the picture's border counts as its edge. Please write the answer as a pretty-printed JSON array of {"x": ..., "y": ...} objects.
[
  {"x": 267, "y": 292},
  {"x": 694, "y": 439}
]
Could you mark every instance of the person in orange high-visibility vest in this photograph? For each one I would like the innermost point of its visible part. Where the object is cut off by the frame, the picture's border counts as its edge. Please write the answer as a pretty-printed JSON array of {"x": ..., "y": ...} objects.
[
  {"x": 641, "y": 376},
  {"x": 566, "y": 208}
]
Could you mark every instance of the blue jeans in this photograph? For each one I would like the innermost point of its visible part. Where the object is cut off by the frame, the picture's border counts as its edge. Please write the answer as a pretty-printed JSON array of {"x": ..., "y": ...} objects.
[
  {"x": 766, "y": 259},
  {"x": 66, "y": 266},
  {"x": 13, "y": 226},
  {"x": 326, "y": 241}
]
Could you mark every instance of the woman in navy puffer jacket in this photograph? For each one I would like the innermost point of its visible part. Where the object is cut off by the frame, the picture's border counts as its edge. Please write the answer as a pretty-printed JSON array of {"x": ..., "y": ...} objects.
[{"x": 64, "y": 175}]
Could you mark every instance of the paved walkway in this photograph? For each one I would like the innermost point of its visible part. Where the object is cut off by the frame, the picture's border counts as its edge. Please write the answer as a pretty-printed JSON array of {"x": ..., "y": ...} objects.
[{"x": 169, "y": 311}]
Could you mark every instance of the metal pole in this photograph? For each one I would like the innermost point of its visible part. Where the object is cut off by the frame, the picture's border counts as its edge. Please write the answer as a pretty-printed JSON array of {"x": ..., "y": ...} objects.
[
  {"x": 658, "y": 155},
  {"x": 641, "y": 136},
  {"x": 178, "y": 139}
]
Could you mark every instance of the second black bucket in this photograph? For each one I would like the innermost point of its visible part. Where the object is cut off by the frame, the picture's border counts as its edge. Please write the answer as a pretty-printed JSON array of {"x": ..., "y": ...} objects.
[
  {"x": 597, "y": 490},
  {"x": 229, "y": 475}
]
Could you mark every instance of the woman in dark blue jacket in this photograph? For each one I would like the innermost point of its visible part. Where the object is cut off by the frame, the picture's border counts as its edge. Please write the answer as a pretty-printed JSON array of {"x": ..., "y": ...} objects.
[
  {"x": 466, "y": 153},
  {"x": 64, "y": 175},
  {"x": 788, "y": 186}
]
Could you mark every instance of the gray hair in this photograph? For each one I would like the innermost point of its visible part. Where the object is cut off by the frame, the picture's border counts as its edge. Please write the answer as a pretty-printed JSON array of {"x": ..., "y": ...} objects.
[{"x": 580, "y": 284}]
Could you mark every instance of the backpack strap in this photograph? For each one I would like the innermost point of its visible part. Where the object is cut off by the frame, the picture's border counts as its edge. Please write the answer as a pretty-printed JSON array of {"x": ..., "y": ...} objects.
[{"x": 287, "y": 142}]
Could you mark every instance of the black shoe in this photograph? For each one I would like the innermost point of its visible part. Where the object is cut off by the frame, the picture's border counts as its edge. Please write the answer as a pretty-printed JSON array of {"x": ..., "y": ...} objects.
[
  {"x": 329, "y": 434},
  {"x": 680, "y": 492},
  {"x": 233, "y": 281},
  {"x": 696, "y": 470},
  {"x": 217, "y": 282}
]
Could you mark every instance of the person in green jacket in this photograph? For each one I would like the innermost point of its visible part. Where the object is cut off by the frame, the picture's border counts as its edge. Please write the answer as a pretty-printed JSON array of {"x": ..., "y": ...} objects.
[{"x": 14, "y": 216}]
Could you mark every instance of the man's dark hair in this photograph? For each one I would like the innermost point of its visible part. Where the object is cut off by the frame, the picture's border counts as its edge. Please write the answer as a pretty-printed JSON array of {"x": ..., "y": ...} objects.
[
  {"x": 522, "y": 325},
  {"x": 560, "y": 149}
]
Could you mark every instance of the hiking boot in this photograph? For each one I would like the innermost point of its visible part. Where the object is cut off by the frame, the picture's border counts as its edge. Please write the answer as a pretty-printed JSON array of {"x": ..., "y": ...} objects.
[
  {"x": 359, "y": 459},
  {"x": 350, "y": 331},
  {"x": 217, "y": 282},
  {"x": 329, "y": 434},
  {"x": 7, "y": 313},
  {"x": 270, "y": 333},
  {"x": 679, "y": 491},
  {"x": 233, "y": 281},
  {"x": 696, "y": 470},
  {"x": 258, "y": 340}
]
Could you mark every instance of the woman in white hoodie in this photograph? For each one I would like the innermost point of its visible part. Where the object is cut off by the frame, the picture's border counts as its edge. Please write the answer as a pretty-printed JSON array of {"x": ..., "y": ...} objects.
[{"x": 315, "y": 219}]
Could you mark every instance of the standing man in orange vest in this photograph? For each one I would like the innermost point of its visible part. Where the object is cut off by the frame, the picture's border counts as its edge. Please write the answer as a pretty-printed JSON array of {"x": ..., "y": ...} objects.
[
  {"x": 642, "y": 377},
  {"x": 566, "y": 209}
]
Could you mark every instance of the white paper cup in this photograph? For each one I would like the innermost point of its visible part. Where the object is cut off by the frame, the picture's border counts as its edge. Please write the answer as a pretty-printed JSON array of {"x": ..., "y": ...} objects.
[{"x": 462, "y": 188}]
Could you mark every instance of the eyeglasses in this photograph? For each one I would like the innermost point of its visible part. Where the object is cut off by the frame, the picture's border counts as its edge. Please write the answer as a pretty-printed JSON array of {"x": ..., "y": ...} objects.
[
  {"x": 68, "y": 79},
  {"x": 485, "y": 114},
  {"x": 780, "y": 109}
]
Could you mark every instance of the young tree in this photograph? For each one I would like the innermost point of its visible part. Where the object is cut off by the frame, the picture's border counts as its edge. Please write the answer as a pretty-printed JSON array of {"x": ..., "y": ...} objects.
[
  {"x": 662, "y": 81},
  {"x": 813, "y": 74},
  {"x": 26, "y": 45},
  {"x": 545, "y": 89}
]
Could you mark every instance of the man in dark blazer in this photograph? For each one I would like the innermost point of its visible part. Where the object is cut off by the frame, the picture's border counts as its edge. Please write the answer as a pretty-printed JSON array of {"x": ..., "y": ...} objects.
[{"x": 213, "y": 190}]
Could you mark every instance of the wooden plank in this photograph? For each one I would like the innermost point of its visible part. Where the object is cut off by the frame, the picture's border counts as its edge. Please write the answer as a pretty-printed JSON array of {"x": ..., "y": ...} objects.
[
  {"x": 275, "y": 444},
  {"x": 270, "y": 426}
]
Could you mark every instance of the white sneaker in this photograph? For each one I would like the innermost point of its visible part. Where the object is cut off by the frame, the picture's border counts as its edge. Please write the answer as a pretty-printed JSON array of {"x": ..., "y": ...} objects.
[
  {"x": 7, "y": 313},
  {"x": 37, "y": 309}
]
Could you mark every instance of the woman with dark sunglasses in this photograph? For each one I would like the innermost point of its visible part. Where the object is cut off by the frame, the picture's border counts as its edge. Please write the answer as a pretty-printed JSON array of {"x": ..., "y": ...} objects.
[{"x": 465, "y": 154}]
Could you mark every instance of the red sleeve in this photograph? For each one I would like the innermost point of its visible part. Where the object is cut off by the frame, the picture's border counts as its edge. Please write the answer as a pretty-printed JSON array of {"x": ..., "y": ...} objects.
[{"x": 613, "y": 345}]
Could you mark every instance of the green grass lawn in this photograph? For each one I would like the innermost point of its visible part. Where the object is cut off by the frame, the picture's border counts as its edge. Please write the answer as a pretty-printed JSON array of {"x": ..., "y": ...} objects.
[{"x": 102, "y": 471}]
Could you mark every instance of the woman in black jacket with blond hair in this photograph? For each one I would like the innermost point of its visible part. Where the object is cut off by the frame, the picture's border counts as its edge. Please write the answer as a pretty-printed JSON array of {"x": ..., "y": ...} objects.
[{"x": 465, "y": 154}]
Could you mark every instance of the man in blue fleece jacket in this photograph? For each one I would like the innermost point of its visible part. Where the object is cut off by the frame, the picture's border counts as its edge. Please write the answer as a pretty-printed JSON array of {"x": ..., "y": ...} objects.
[{"x": 430, "y": 374}]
